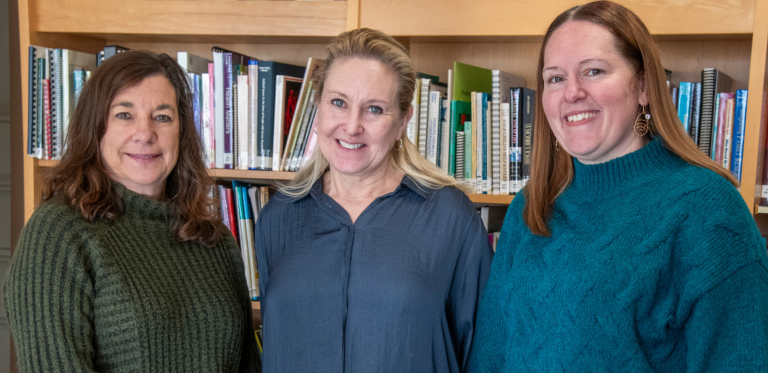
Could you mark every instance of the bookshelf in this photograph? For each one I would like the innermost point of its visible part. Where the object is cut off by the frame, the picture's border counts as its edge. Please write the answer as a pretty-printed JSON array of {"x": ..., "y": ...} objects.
[{"x": 495, "y": 34}]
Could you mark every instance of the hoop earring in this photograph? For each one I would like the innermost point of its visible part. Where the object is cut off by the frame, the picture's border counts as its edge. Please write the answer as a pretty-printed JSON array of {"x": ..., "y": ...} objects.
[
  {"x": 399, "y": 147},
  {"x": 557, "y": 146},
  {"x": 642, "y": 123}
]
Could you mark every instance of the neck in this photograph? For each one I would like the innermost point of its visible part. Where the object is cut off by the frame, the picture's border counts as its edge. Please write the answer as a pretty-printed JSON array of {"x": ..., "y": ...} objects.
[{"x": 354, "y": 193}]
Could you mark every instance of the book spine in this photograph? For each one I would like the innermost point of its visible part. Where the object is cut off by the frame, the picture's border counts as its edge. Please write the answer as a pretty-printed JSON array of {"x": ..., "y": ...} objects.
[
  {"x": 47, "y": 153},
  {"x": 423, "y": 117},
  {"x": 495, "y": 132},
  {"x": 721, "y": 128},
  {"x": 32, "y": 87},
  {"x": 739, "y": 123},
  {"x": 487, "y": 145},
  {"x": 764, "y": 124},
  {"x": 443, "y": 136},
  {"x": 266, "y": 114},
  {"x": 211, "y": 117},
  {"x": 277, "y": 133},
  {"x": 228, "y": 110},
  {"x": 695, "y": 113},
  {"x": 453, "y": 146},
  {"x": 504, "y": 149},
  {"x": 684, "y": 105},
  {"x": 218, "y": 91},
  {"x": 527, "y": 108},
  {"x": 312, "y": 142},
  {"x": 58, "y": 129},
  {"x": 224, "y": 207},
  {"x": 459, "y": 146},
  {"x": 468, "y": 135},
  {"x": 302, "y": 141},
  {"x": 243, "y": 121},
  {"x": 253, "y": 114},
  {"x": 40, "y": 123},
  {"x": 448, "y": 133},
  {"x": 515, "y": 147},
  {"x": 432, "y": 126},
  {"x": 206, "y": 118},
  {"x": 715, "y": 134},
  {"x": 67, "y": 98},
  {"x": 475, "y": 136},
  {"x": 728, "y": 137}
]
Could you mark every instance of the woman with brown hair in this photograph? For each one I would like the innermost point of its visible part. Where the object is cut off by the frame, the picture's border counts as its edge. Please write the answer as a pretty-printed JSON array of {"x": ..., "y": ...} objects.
[
  {"x": 372, "y": 259},
  {"x": 628, "y": 250},
  {"x": 126, "y": 266}
]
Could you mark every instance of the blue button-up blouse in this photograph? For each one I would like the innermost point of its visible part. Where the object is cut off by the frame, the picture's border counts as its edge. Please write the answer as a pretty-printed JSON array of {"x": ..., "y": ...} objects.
[{"x": 396, "y": 291}]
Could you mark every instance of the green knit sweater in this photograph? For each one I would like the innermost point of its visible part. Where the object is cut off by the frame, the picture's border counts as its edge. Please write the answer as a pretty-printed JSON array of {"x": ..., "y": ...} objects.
[{"x": 126, "y": 296}]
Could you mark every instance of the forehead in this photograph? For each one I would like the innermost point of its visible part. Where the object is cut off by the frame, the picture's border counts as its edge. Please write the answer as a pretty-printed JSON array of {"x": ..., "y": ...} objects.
[
  {"x": 357, "y": 73},
  {"x": 578, "y": 41},
  {"x": 150, "y": 88}
]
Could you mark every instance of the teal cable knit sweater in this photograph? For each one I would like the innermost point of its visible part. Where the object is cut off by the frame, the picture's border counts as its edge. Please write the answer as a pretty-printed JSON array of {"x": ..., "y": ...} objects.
[
  {"x": 653, "y": 265},
  {"x": 126, "y": 297}
]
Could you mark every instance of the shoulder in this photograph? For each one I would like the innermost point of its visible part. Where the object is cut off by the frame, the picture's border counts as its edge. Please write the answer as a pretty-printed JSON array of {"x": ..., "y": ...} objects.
[
  {"x": 450, "y": 200},
  {"x": 54, "y": 219}
]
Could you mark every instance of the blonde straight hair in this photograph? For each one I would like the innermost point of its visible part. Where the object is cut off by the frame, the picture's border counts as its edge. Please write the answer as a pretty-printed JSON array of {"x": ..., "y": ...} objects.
[
  {"x": 374, "y": 45},
  {"x": 552, "y": 171}
]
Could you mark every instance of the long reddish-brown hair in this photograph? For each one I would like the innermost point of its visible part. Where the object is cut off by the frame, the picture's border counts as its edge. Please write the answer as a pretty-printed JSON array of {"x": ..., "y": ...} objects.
[
  {"x": 80, "y": 178},
  {"x": 552, "y": 171}
]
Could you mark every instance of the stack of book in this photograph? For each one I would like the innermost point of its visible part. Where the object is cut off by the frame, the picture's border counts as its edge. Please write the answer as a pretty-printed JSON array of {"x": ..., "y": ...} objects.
[
  {"x": 714, "y": 117},
  {"x": 55, "y": 79},
  {"x": 240, "y": 207}
]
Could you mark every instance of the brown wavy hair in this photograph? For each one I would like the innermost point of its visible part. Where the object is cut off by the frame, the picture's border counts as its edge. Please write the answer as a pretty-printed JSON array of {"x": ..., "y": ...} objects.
[
  {"x": 80, "y": 178},
  {"x": 552, "y": 171}
]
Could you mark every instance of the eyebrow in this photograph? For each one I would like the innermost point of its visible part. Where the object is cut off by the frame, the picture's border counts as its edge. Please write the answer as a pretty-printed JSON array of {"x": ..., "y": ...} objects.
[
  {"x": 580, "y": 63},
  {"x": 130, "y": 105}
]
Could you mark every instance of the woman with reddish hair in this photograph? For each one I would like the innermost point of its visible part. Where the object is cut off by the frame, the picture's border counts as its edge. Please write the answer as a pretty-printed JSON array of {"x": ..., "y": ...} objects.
[{"x": 629, "y": 250}]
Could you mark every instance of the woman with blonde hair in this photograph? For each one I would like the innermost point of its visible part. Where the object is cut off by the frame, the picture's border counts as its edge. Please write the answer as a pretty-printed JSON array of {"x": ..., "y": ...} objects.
[
  {"x": 126, "y": 265},
  {"x": 372, "y": 259},
  {"x": 629, "y": 250}
]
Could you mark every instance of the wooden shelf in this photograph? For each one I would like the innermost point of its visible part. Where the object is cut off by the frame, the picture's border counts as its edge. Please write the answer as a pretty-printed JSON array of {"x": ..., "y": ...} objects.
[
  {"x": 490, "y": 199},
  {"x": 461, "y": 18},
  {"x": 250, "y": 175},
  {"x": 256, "y": 305},
  {"x": 225, "y": 18}
]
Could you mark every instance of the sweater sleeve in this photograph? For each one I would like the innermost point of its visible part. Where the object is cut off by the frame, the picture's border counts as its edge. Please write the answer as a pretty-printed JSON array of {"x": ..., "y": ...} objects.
[
  {"x": 469, "y": 279},
  {"x": 727, "y": 329},
  {"x": 48, "y": 296}
]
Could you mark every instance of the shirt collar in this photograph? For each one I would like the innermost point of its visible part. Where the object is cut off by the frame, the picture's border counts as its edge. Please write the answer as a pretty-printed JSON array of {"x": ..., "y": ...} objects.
[{"x": 317, "y": 189}]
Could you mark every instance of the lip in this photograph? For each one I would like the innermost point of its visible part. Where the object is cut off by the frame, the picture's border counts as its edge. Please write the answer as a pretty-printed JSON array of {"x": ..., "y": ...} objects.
[
  {"x": 144, "y": 157},
  {"x": 581, "y": 122}
]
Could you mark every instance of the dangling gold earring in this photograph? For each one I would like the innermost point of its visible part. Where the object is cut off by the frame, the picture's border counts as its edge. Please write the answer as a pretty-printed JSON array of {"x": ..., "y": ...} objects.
[
  {"x": 401, "y": 145},
  {"x": 642, "y": 123},
  {"x": 557, "y": 146}
]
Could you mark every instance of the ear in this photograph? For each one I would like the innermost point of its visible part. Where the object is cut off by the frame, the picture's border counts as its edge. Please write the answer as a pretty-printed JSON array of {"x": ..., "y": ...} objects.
[
  {"x": 642, "y": 85},
  {"x": 404, "y": 122}
]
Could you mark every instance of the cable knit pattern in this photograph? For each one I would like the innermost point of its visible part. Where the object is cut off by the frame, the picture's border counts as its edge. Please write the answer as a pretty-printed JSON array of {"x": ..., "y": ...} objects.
[
  {"x": 653, "y": 265},
  {"x": 126, "y": 297}
]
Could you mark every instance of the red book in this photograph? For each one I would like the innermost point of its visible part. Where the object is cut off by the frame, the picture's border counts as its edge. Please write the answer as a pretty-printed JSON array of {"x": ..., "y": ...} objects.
[
  {"x": 231, "y": 208},
  {"x": 763, "y": 127}
]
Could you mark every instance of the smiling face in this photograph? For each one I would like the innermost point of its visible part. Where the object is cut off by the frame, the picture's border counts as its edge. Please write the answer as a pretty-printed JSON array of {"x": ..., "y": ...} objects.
[
  {"x": 591, "y": 95},
  {"x": 358, "y": 117},
  {"x": 141, "y": 143}
]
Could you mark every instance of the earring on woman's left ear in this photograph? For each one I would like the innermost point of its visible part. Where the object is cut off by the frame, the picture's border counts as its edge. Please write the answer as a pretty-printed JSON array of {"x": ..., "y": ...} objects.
[{"x": 642, "y": 123}]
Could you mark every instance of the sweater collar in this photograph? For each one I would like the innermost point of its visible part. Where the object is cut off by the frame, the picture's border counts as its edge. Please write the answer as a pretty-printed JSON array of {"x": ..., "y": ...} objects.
[
  {"x": 623, "y": 173},
  {"x": 142, "y": 205}
]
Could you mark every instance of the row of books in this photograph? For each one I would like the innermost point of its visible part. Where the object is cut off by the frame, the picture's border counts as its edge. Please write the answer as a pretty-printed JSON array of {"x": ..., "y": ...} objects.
[
  {"x": 55, "y": 78},
  {"x": 240, "y": 207},
  {"x": 713, "y": 117},
  {"x": 251, "y": 114},
  {"x": 475, "y": 127}
]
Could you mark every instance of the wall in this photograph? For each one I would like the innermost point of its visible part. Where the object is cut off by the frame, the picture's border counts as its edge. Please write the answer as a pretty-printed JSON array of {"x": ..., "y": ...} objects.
[{"x": 5, "y": 177}]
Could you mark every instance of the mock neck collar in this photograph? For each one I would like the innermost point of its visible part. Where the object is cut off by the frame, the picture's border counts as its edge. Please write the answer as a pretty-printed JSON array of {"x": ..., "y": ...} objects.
[
  {"x": 594, "y": 181},
  {"x": 142, "y": 205}
]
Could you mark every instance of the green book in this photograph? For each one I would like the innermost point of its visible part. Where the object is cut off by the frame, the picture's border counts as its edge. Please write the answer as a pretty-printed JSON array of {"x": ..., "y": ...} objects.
[
  {"x": 468, "y": 176},
  {"x": 466, "y": 79}
]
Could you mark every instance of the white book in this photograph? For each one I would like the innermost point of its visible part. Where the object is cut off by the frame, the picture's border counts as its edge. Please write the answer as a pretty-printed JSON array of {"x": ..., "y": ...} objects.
[
  {"x": 218, "y": 105},
  {"x": 191, "y": 63},
  {"x": 413, "y": 124},
  {"x": 501, "y": 82},
  {"x": 445, "y": 134},
  {"x": 433, "y": 124},
  {"x": 478, "y": 139},
  {"x": 295, "y": 125},
  {"x": 423, "y": 116},
  {"x": 489, "y": 160},
  {"x": 504, "y": 156},
  {"x": 253, "y": 113},
  {"x": 242, "y": 122},
  {"x": 206, "y": 121}
]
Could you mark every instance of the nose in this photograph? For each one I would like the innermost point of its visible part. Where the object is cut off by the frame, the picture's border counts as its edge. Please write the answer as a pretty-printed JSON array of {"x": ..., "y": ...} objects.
[
  {"x": 144, "y": 130},
  {"x": 573, "y": 90},
  {"x": 354, "y": 123}
]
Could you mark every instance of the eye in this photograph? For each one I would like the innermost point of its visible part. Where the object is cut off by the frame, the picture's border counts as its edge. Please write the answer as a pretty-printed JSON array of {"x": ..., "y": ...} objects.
[
  {"x": 124, "y": 116},
  {"x": 594, "y": 72},
  {"x": 555, "y": 79},
  {"x": 163, "y": 118},
  {"x": 375, "y": 110},
  {"x": 337, "y": 102}
]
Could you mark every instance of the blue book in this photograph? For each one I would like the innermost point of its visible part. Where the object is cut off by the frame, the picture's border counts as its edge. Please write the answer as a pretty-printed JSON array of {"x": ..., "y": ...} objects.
[
  {"x": 715, "y": 120},
  {"x": 484, "y": 123},
  {"x": 684, "y": 104},
  {"x": 739, "y": 122}
]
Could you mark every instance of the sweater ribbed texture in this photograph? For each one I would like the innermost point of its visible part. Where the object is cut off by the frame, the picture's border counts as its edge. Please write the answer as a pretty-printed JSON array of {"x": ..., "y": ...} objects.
[
  {"x": 125, "y": 296},
  {"x": 652, "y": 265}
]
